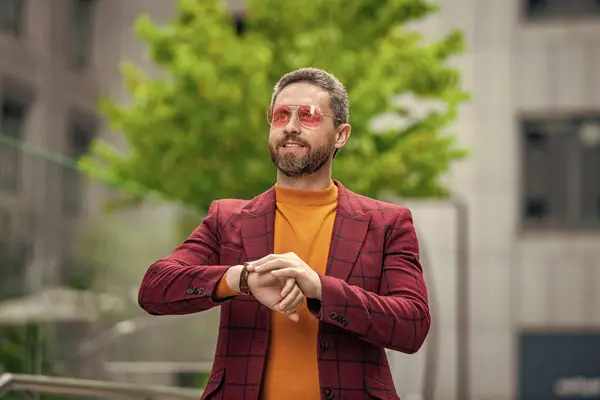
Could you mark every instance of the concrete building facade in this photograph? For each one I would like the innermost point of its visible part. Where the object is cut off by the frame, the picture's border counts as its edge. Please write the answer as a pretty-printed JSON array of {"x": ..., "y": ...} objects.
[{"x": 532, "y": 185}]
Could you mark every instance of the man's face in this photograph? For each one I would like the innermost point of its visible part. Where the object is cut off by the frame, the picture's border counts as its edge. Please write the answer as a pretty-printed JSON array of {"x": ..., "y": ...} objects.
[{"x": 298, "y": 150}]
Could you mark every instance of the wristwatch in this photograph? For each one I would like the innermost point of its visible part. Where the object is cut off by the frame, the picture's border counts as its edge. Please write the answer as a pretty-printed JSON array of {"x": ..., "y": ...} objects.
[{"x": 244, "y": 289}]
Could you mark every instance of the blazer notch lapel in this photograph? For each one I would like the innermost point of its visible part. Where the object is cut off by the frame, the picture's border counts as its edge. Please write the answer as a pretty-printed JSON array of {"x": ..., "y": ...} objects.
[
  {"x": 350, "y": 230},
  {"x": 258, "y": 225}
]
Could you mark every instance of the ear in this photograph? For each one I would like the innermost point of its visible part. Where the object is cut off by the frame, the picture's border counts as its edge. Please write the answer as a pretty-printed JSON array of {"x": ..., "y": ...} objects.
[{"x": 342, "y": 135}]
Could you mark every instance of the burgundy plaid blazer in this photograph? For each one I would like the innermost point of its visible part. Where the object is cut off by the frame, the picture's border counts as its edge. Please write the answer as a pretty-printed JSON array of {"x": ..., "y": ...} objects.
[{"x": 374, "y": 295}]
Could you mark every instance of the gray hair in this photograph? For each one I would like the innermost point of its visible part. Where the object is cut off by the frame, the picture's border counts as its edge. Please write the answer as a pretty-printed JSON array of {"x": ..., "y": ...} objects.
[{"x": 337, "y": 92}]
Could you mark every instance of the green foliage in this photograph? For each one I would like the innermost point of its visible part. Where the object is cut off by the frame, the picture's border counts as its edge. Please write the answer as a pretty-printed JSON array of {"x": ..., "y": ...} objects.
[
  {"x": 200, "y": 131},
  {"x": 20, "y": 347}
]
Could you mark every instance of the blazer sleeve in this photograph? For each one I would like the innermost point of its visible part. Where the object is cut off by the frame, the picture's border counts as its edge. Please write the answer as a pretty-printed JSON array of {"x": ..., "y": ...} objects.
[
  {"x": 186, "y": 281},
  {"x": 398, "y": 316}
]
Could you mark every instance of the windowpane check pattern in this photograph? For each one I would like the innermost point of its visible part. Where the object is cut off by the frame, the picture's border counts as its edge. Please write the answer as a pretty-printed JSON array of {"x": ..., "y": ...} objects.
[{"x": 374, "y": 295}]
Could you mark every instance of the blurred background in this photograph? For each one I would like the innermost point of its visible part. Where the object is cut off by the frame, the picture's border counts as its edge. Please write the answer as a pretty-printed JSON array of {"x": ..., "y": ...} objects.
[{"x": 481, "y": 116}]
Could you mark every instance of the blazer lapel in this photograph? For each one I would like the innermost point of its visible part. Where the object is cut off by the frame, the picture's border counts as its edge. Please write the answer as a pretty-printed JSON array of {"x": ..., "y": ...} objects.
[
  {"x": 349, "y": 232},
  {"x": 258, "y": 225}
]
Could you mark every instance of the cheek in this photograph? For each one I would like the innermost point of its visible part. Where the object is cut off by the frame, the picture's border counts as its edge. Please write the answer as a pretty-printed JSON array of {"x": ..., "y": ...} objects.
[
  {"x": 322, "y": 138},
  {"x": 274, "y": 137}
]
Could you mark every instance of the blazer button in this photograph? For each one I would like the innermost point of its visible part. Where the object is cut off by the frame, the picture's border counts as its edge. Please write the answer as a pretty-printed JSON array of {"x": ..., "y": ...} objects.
[
  {"x": 324, "y": 346},
  {"x": 344, "y": 321},
  {"x": 199, "y": 291},
  {"x": 334, "y": 315},
  {"x": 328, "y": 394},
  {"x": 190, "y": 291}
]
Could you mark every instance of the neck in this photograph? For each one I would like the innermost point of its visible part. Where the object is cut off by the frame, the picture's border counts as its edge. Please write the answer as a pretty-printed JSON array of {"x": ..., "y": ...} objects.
[{"x": 318, "y": 181}]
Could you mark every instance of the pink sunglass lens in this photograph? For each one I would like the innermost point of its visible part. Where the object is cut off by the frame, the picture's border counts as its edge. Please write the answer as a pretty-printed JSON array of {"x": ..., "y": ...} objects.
[
  {"x": 309, "y": 116},
  {"x": 279, "y": 115}
]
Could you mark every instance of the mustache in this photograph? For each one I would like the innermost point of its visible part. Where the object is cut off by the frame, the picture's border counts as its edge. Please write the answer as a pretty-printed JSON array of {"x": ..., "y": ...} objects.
[{"x": 293, "y": 138}]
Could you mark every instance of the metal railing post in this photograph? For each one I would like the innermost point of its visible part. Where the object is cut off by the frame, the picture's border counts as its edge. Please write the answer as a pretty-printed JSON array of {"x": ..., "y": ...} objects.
[{"x": 40, "y": 384}]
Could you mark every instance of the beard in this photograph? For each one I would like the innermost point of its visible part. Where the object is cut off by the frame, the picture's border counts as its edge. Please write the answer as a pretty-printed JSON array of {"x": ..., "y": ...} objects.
[{"x": 293, "y": 165}]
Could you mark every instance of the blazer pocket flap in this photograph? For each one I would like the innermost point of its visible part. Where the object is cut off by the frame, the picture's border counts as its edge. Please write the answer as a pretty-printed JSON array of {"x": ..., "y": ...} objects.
[
  {"x": 214, "y": 383},
  {"x": 379, "y": 389}
]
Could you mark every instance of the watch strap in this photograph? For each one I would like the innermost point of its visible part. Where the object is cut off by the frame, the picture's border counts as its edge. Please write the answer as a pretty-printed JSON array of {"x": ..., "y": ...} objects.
[{"x": 244, "y": 289}]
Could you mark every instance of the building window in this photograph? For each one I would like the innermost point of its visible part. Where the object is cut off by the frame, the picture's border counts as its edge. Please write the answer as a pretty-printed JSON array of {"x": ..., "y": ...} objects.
[
  {"x": 13, "y": 256},
  {"x": 561, "y": 9},
  {"x": 80, "y": 33},
  {"x": 12, "y": 122},
  {"x": 561, "y": 173},
  {"x": 13, "y": 261},
  {"x": 11, "y": 16},
  {"x": 239, "y": 22},
  {"x": 79, "y": 138}
]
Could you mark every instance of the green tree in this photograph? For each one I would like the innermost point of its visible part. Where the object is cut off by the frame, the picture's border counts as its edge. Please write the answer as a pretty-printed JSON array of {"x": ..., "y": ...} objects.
[{"x": 200, "y": 131}]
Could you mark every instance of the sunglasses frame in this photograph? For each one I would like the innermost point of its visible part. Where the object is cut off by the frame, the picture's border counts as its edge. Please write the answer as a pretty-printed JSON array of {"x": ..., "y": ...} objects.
[{"x": 294, "y": 109}]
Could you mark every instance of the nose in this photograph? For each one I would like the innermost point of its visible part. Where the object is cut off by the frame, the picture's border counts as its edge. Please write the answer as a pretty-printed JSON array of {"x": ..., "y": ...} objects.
[{"x": 293, "y": 125}]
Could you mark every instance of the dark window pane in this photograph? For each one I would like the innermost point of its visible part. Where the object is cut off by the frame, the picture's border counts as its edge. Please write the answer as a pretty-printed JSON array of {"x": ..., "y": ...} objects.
[
  {"x": 536, "y": 208},
  {"x": 535, "y": 7},
  {"x": 11, "y": 16},
  {"x": 79, "y": 139},
  {"x": 80, "y": 32},
  {"x": 545, "y": 9},
  {"x": 13, "y": 116},
  {"x": 13, "y": 260},
  {"x": 545, "y": 174},
  {"x": 590, "y": 198},
  {"x": 240, "y": 24},
  {"x": 561, "y": 172},
  {"x": 535, "y": 139},
  {"x": 12, "y": 120}
]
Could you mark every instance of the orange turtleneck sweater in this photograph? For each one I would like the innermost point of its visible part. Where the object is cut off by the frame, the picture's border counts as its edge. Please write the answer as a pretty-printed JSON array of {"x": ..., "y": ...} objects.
[{"x": 303, "y": 225}]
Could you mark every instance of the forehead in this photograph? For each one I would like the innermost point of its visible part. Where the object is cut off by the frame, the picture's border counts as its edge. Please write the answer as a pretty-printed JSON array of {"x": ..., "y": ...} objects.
[{"x": 302, "y": 93}]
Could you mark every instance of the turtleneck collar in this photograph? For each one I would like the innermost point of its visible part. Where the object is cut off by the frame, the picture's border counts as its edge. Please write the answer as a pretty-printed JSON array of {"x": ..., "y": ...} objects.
[{"x": 306, "y": 197}]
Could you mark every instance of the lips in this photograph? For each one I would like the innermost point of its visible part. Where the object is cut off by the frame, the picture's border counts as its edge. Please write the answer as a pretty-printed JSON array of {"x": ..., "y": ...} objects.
[{"x": 292, "y": 145}]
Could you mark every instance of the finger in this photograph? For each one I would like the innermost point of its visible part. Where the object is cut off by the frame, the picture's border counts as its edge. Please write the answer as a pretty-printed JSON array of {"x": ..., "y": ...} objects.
[
  {"x": 273, "y": 265},
  {"x": 289, "y": 272},
  {"x": 289, "y": 303},
  {"x": 296, "y": 303},
  {"x": 253, "y": 264},
  {"x": 294, "y": 317},
  {"x": 291, "y": 312},
  {"x": 286, "y": 303},
  {"x": 289, "y": 285}
]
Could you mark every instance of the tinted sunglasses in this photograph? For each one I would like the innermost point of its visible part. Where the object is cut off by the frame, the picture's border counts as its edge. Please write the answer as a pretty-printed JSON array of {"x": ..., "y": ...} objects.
[{"x": 309, "y": 116}]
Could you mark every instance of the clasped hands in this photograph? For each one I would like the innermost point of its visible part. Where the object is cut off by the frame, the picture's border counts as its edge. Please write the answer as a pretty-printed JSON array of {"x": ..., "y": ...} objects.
[{"x": 282, "y": 281}]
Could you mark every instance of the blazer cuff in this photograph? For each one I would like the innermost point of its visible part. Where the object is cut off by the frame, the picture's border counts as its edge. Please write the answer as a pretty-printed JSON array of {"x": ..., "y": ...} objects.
[{"x": 334, "y": 308}]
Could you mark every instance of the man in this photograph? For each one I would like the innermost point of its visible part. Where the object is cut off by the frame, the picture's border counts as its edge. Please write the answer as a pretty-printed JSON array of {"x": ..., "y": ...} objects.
[{"x": 313, "y": 280}]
